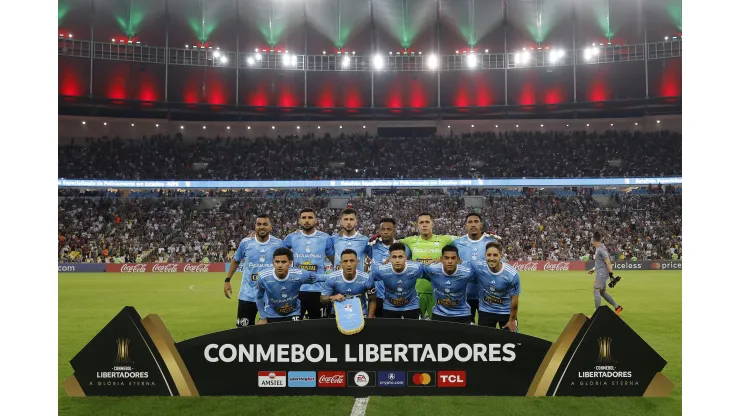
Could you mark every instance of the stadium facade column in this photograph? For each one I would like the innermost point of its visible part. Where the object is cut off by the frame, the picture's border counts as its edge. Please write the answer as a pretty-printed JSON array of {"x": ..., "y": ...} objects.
[
  {"x": 305, "y": 55},
  {"x": 439, "y": 59},
  {"x": 505, "y": 5},
  {"x": 372, "y": 55},
  {"x": 166, "y": 49},
  {"x": 236, "y": 56},
  {"x": 645, "y": 47},
  {"x": 573, "y": 22},
  {"x": 92, "y": 45},
  {"x": 368, "y": 192}
]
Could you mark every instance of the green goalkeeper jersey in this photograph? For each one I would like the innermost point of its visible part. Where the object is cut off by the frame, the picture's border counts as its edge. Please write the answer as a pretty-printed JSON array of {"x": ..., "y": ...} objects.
[{"x": 424, "y": 251}]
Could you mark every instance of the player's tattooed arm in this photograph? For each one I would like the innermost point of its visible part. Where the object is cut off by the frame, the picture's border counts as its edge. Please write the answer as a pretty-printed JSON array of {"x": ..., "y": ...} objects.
[{"x": 371, "y": 302}]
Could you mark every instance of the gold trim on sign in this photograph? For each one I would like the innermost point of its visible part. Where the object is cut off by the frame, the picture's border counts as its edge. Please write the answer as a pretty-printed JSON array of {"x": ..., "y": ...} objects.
[
  {"x": 165, "y": 344},
  {"x": 659, "y": 387},
  {"x": 555, "y": 355},
  {"x": 72, "y": 387}
]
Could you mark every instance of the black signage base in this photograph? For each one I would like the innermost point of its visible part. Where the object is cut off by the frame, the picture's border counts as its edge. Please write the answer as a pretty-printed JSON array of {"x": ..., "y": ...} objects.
[{"x": 600, "y": 356}]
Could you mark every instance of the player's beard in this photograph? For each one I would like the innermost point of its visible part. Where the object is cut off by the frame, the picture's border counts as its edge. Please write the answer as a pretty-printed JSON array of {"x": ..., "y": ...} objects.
[
  {"x": 307, "y": 228},
  {"x": 349, "y": 231}
]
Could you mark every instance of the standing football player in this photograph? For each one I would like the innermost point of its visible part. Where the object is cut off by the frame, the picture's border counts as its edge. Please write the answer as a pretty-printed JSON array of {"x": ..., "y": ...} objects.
[
  {"x": 603, "y": 269},
  {"x": 380, "y": 254},
  {"x": 450, "y": 281},
  {"x": 498, "y": 290},
  {"x": 399, "y": 279},
  {"x": 426, "y": 248},
  {"x": 309, "y": 247},
  {"x": 473, "y": 248},
  {"x": 350, "y": 239},
  {"x": 257, "y": 255},
  {"x": 281, "y": 286},
  {"x": 348, "y": 282}
]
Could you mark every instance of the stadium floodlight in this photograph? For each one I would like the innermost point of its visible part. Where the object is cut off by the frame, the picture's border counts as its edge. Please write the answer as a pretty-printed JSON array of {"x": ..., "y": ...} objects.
[
  {"x": 228, "y": 127},
  {"x": 294, "y": 60},
  {"x": 132, "y": 124},
  {"x": 486, "y": 50},
  {"x": 448, "y": 127},
  {"x": 496, "y": 125},
  {"x": 432, "y": 62},
  {"x": 224, "y": 60},
  {"x": 588, "y": 125},
  {"x": 472, "y": 126},
  {"x": 472, "y": 61},
  {"x": 611, "y": 125},
  {"x": 521, "y": 58},
  {"x": 273, "y": 127},
  {"x": 377, "y": 62},
  {"x": 323, "y": 52},
  {"x": 250, "y": 61},
  {"x": 204, "y": 127},
  {"x": 249, "y": 127},
  {"x": 156, "y": 125},
  {"x": 105, "y": 123},
  {"x": 517, "y": 126},
  {"x": 658, "y": 121},
  {"x": 635, "y": 124},
  {"x": 542, "y": 125},
  {"x": 286, "y": 60},
  {"x": 666, "y": 38},
  {"x": 364, "y": 126},
  {"x": 298, "y": 127},
  {"x": 70, "y": 36},
  {"x": 345, "y": 62},
  {"x": 216, "y": 54},
  {"x": 340, "y": 127},
  {"x": 258, "y": 57},
  {"x": 318, "y": 127},
  {"x": 182, "y": 127},
  {"x": 83, "y": 122}
]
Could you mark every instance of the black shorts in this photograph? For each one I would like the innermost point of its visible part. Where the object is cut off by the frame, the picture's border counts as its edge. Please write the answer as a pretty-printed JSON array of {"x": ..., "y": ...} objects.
[
  {"x": 473, "y": 308},
  {"x": 412, "y": 314},
  {"x": 378, "y": 307},
  {"x": 246, "y": 315},
  {"x": 457, "y": 319},
  {"x": 284, "y": 319},
  {"x": 311, "y": 305},
  {"x": 493, "y": 319}
]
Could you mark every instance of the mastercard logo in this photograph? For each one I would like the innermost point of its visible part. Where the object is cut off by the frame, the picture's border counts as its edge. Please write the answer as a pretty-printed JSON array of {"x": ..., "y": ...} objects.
[{"x": 421, "y": 379}]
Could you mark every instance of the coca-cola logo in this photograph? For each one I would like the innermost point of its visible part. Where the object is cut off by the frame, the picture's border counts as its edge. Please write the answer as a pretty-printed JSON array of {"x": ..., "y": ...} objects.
[
  {"x": 562, "y": 266},
  {"x": 165, "y": 268},
  {"x": 526, "y": 267},
  {"x": 196, "y": 268},
  {"x": 133, "y": 268},
  {"x": 332, "y": 379}
]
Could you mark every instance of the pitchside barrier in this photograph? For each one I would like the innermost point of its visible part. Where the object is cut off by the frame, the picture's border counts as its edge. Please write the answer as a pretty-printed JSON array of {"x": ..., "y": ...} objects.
[
  {"x": 597, "y": 356},
  {"x": 525, "y": 266}
]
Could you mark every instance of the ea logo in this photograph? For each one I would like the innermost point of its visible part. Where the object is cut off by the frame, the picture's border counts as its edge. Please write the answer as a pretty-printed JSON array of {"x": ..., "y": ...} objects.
[{"x": 361, "y": 379}]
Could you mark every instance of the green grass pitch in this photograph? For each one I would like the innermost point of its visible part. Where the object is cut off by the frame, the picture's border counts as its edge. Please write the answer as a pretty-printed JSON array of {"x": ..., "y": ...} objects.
[{"x": 194, "y": 304}]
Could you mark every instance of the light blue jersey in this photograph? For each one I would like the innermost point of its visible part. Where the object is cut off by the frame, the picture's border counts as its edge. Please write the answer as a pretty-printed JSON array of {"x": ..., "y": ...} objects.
[
  {"x": 357, "y": 287},
  {"x": 379, "y": 253},
  {"x": 282, "y": 294},
  {"x": 309, "y": 252},
  {"x": 450, "y": 290},
  {"x": 471, "y": 251},
  {"x": 496, "y": 289},
  {"x": 357, "y": 242},
  {"x": 257, "y": 257},
  {"x": 400, "y": 288}
]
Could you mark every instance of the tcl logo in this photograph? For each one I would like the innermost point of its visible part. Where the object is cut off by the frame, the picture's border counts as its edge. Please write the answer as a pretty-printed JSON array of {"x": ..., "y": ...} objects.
[
  {"x": 451, "y": 379},
  {"x": 332, "y": 379}
]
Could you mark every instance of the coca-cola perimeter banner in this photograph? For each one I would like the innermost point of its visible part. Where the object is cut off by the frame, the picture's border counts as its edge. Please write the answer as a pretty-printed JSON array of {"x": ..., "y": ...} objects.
[
  {"x": 165, "y": 268},
  {"x": 548, "y": 266}
]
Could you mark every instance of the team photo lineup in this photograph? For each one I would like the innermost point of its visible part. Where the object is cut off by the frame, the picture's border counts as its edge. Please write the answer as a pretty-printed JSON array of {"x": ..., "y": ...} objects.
[{"x": 440, "y": 277}]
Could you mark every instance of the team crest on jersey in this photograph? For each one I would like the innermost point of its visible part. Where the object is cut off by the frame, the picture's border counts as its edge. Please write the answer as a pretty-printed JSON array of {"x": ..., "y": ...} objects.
[
  {"x": 308, "y": 249},
  {"x": 399, "y": 290},
  {"x": 283, "y": 290},
  {"x": 436, "y": 243}
]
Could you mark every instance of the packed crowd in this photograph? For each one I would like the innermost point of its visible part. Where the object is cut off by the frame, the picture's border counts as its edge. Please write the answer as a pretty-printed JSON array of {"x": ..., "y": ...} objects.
[
  {"x": 534, "y": 226},
  {"x": 479, "y": 155}
]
